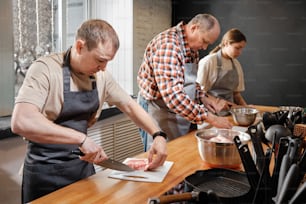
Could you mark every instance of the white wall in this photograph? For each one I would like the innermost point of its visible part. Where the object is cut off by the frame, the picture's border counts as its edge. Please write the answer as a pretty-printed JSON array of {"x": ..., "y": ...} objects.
[
  {"x": 119, "y": 14},
  {"x": 136, "y": 22}
]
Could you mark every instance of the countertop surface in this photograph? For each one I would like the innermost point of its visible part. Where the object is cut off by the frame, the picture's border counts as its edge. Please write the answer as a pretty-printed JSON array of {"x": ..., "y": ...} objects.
[{"x": 99, "y": 188}]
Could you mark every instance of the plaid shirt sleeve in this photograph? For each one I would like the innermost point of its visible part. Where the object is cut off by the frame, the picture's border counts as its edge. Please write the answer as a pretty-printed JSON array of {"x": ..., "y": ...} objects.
[{"x": 169, "y": 76}]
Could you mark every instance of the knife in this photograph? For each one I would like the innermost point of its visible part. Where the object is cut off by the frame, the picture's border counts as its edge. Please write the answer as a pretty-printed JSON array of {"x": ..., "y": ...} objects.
[{"x": 108, "y": 163}]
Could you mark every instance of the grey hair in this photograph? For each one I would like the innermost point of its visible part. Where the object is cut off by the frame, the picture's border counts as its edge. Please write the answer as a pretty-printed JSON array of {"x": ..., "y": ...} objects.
[{"x": 205, "y": 21}]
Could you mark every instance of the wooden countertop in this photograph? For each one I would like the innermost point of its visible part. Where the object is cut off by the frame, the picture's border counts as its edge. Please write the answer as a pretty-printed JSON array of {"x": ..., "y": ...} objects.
[{"x": 101, "y": 189}]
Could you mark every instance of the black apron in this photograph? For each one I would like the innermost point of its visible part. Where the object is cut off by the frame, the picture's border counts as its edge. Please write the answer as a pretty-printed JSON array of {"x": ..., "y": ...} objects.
[
  {"x": 49, "y": 167},
  {"x": 227, "y": 81}
]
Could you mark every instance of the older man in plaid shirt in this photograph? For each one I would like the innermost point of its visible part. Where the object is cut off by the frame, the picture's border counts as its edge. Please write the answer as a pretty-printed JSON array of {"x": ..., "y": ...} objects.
[{"x": 167, "y": 79}]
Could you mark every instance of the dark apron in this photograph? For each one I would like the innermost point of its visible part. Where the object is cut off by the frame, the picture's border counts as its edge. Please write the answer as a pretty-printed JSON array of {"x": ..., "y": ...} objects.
[
  {"x": 49, "y": 167},
  {"x": 227, "y": 81}
]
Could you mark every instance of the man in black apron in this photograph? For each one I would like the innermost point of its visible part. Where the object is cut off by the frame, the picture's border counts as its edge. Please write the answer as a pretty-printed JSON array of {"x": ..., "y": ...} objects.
[
  {"x": 61, "y": 96},
  {"x": 43, "y": 161},
  {"x": 167, "y": 78}
]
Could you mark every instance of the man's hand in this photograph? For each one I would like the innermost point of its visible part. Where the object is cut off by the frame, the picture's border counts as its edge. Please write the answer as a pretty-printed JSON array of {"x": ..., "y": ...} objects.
[
  {"x": 215, "y": 105},
  {"x": 157, "y": 153},
  {"x": 93, "y": 152},
  {"x": 219, "y": 122}
]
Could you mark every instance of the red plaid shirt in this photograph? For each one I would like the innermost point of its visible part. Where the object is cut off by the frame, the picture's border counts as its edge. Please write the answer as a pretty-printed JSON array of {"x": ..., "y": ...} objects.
[{"x": 161, "y": 74}]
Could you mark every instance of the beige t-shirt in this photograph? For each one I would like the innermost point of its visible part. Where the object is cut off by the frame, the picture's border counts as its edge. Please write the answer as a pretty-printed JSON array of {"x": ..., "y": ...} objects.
[
  {"x": 207, "y": 71},
  {"x": 43, "y": 86}
]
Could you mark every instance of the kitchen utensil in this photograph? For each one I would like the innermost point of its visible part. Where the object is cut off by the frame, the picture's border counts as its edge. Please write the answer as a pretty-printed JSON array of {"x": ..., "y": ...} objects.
[
  {"x": 281, "y": 151},
  {"x": 212, "y": 197},
  {"x": 269, "y": 119},
  {"x": 248, "y": 163},
  {"x": 279, "y": 131},
  {"x": 282, "y": 173},
  {"x": 283, "y": 117},
  {"x": 108, "y": 163},
  {"x": 294, "y": 149},
  {"x": 299, "y": 196},
  {"x": 261, "y": 131},
  {"x": 263, "y": 192},
  {"x": 302, "y": 165},
  {"x": 243, "y": 116},
  {"x": 216, "y": 147},
  {"x": 228, "y": 186},
  {"x": 195, "y": 196},
  {"x": 291, "y": 109},
  {"x": 289, "y": 185},
  {"x": 256, "y": 140}
]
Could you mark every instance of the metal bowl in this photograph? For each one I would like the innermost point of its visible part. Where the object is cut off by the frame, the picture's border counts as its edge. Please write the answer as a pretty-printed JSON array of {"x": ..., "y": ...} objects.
[
  {"x": 217, "y": 148},
  {"x": 244, "y": 116}
]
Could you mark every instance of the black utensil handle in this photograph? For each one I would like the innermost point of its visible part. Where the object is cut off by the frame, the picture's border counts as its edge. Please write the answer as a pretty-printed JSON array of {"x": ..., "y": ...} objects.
[
  {"x": 77, "y": 152},
  {"x": 282, "y": 149},
  {"x": 252, "y": 130},
  {"x": 248, "y": 163},
  {"x": 263, "y": 189}
]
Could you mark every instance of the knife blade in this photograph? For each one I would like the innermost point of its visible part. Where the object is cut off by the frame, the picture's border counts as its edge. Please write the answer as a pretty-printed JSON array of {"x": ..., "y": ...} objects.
[{"x": 108, "y": 163}]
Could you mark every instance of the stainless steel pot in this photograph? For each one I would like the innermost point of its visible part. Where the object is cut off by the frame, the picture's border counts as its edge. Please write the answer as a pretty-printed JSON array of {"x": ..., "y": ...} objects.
[{"x": 217, "y": 148}]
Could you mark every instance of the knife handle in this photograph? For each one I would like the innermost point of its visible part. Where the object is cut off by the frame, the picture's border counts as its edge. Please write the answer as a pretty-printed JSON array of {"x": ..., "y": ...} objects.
[{"x": 78, "y": 152}]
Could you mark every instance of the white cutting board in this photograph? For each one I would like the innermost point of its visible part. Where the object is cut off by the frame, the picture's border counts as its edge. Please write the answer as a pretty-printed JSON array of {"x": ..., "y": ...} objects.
[
  {"x": 206, "y": 125},
  {"x": 156, "y": 175}
]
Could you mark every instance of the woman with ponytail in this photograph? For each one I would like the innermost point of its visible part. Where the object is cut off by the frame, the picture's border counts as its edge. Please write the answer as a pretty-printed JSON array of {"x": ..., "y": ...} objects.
[{"x": 220, "y": 74}]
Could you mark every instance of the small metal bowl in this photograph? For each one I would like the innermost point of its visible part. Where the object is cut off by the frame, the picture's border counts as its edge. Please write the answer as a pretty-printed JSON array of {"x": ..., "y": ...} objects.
[
  {"x": 244, "y": 116},
  {"x": 217, "y": 148}
]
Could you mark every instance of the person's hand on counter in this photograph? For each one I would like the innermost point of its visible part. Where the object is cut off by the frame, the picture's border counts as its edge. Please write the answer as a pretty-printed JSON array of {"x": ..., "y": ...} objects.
[
  {"x": 216, "y": 105},
  {"x": 218, "y": 122},
  {"x": 157, "y": 153}
]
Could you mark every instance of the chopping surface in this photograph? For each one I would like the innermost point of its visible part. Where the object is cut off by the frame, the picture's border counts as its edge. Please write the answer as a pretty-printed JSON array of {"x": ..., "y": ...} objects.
[{"x": 157, "y": 175}]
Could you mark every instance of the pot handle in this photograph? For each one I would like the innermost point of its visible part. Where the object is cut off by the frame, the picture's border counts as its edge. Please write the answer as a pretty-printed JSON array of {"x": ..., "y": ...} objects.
[{"x": 165, "y": 199}]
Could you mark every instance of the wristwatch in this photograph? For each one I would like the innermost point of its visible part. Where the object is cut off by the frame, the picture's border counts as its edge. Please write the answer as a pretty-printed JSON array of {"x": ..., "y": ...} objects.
[{"x": 159, "y": 133}]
